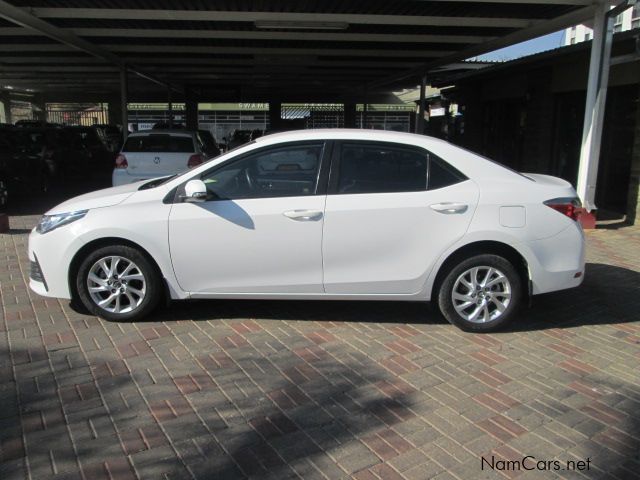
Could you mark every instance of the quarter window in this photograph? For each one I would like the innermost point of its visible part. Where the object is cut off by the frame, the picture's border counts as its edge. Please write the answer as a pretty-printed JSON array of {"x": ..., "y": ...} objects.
[
  {"x": 288, "y": 171},
  {"x": 441, "y": 174}
]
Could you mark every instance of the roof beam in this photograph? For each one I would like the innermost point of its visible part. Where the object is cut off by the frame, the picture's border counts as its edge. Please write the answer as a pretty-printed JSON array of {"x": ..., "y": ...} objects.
[
  {"x": 228, "y": 16},
  {"x": 258, "y": 35},
  {"x": 535, "y": 2},
  {"x": 204, "y": 62},
  {"x": 351, "y": 52},
  {"x": 24, "y": 19}
]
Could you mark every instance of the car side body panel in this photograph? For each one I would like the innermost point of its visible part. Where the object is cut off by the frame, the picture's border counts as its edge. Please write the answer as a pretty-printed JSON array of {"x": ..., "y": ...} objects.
[{"x": 551, "y": 243}]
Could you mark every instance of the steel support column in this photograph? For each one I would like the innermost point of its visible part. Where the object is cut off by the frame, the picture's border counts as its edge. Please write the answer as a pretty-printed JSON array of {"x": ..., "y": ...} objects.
[
  {"x": 421, "y": 107},
  {"x": 365, "y": 113},
  {"x": 595, "y": 105},
  {"x": 191, "y": 110},
  {"x": 124, "y": 94},
  {"x": 5, "y": 99},
  {"x": 275, "y": 116},
  {"x": 350, "y": 115},
  {"x": 39, "y": 108},
  {"x": 170, "y": 107}
]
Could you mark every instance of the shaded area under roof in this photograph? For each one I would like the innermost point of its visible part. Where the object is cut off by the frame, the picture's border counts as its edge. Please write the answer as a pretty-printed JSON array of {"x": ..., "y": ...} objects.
[{"x": 282, "y": 50}]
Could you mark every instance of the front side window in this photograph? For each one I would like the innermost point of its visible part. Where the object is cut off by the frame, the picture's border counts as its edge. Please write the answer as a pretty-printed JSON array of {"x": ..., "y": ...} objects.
[
  {"x": 286, "y": 171},
  {"x": 381, "y": 169}
]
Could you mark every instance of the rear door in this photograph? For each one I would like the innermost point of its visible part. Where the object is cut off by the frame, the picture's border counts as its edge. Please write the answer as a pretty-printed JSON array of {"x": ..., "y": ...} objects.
[
  {"x": 391, "y": 210},
  {"x": 158, "y": 153}
]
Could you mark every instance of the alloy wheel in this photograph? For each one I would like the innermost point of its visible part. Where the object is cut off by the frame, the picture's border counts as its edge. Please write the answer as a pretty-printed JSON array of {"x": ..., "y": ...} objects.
[
  {"x": 116, "y": 284},
  {"x": 481, "y": 294}
]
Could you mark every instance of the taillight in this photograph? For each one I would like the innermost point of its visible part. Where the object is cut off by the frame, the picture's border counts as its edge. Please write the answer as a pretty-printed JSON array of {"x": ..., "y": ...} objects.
[
  {"x": 569, "y": 206},
  {"x": 121, "y": 161},
  {"x": 194, "y": 160}
]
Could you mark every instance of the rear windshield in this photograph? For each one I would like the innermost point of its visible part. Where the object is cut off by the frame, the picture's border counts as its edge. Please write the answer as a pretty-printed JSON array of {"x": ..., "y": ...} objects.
[{"x": 159, "y": 143}]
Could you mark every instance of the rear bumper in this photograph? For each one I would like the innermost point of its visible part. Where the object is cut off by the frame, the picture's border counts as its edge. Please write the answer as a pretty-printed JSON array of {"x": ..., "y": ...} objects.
[{"x": 558, "y": 262}]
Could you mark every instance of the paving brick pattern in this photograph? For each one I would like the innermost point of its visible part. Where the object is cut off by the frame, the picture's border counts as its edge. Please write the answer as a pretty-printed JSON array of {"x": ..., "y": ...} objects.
[{"x": 230, "y": 389}]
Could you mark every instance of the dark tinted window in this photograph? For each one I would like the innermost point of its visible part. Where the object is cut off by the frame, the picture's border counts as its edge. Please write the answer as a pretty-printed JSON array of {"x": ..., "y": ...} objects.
[
  {"x": 379, "y": 168},
  {"x": 441, "y": 174},
  {"x": 159, "y": 143},
  {"x": 278, "y": 172}
]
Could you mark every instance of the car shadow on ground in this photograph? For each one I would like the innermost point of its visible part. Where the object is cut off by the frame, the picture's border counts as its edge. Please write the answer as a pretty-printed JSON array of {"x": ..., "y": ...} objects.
[{"x": 608, "y": 295}]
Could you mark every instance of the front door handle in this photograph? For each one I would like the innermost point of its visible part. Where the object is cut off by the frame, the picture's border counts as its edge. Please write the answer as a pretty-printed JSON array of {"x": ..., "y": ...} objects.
[
  {"x": 449, "y": 207},
  {"x": 303, "y": 215}
]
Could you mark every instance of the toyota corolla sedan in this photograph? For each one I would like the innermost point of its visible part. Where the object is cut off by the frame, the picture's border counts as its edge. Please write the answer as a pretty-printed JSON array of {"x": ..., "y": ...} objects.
[{"x": 324, "y": 214}]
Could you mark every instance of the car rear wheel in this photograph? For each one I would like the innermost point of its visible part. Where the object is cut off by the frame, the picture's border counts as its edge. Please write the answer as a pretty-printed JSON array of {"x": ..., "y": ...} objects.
[
  {"x": 118, "y": 283},
  {"x": 481, "y": 293}
]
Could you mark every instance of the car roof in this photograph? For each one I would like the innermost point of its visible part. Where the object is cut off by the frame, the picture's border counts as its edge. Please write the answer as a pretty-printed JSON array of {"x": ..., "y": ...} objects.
[
  {"x": 349, "y": 134},
  {"x": 177, "y": 133}
]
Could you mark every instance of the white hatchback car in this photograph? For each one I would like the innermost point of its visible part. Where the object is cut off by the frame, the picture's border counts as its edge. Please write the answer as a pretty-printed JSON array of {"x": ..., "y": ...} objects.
[
  {"x": 324, "y": 214},
  {"x": 149, "y": 154}
]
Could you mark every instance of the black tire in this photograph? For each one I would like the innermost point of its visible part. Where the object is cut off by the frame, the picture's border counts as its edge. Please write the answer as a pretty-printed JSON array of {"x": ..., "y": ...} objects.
[
  {"x": 151, "y": 276},
  {"x": 485, "y": 261}
]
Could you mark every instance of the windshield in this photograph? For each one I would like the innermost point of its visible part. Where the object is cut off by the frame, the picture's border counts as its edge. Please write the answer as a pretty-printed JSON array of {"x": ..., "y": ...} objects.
[
  {"x": 221, "y": 157},
  {"x": 158, "y": 143},
  {"x": 156, "y": 182}
]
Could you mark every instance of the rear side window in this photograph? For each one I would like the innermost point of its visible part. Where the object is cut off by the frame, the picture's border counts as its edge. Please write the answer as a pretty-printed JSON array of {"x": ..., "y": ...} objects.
[
  {"x": 159, "y": 143},
  {"x": 376, "y": 168}
]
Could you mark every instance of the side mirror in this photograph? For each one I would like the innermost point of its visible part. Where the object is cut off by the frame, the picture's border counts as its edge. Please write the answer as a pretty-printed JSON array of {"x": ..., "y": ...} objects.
[{"x": 195, "y": 191}]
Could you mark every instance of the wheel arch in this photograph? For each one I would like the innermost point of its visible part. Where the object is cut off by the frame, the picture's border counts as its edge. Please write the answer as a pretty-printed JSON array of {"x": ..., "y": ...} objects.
[
  {"x": 484, "y": 247},
  {"x": 81, "y": 254}
]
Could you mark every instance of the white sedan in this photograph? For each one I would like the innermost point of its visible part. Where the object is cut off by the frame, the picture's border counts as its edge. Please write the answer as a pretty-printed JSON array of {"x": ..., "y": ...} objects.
[{"x": 324, "y": 214}]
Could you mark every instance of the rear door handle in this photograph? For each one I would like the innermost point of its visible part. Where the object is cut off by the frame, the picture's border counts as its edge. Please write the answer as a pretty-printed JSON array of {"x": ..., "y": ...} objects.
[
  {"x": 303, "y": 215},
  {"x": 449, "y": 207}
]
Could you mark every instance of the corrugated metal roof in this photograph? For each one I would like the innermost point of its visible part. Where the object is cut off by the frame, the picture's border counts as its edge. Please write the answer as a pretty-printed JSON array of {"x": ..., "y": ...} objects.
[{"x": 328, "y": 50}]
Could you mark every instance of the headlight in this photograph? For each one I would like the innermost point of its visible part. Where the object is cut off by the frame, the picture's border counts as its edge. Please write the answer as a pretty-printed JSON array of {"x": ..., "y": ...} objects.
[{"x": 51, "y": 222}]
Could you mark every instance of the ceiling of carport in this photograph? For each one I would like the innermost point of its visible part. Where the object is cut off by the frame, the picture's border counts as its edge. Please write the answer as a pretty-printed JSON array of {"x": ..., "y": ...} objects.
[{"x": 240, "y": 50}]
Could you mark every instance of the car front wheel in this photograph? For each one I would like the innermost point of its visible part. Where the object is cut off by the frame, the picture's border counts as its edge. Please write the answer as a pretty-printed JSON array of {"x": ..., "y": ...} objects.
[
  {"x": 118, "y": 283},
  {"x": 481, "y": 293}
]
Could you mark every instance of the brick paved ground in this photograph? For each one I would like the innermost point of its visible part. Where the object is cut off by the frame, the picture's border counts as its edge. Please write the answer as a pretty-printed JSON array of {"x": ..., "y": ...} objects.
[{"x": 313, "y": 390}]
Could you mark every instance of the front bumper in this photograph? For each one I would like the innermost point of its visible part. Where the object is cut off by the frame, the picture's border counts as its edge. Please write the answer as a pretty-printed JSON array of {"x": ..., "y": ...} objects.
[
  {"x": 35, "y": 273},
  {"x": 48, "y": 256}
]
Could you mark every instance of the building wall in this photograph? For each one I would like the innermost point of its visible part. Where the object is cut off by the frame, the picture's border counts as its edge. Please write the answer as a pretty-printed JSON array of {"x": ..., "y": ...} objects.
[
  {"x": 627, "y": 20},
  {"x": 531, "y": 120},
  {"x": 633, "y": 198}
]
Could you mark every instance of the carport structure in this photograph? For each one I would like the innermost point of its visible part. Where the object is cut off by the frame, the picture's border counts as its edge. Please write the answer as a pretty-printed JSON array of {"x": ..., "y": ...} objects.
[{"x": 340, "y": 51}]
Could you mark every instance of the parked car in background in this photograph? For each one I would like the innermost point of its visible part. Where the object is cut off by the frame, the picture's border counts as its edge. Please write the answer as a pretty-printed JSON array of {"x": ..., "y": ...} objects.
[
  {"x": 111, "y": 136},
  {"x": 156, "y": 153},
  {"x": 205, "y": 137},
  {"x": 324, "y": 214},
  {"x": 209, "y": 144},
  {"x": 84, "y": 154},
  {"x": 26, "y": 166},
  {"x": 239, "y": 137}
]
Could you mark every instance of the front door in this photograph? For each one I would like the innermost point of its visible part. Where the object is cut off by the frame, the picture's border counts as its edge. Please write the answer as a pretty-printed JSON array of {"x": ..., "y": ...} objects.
[
  {"x": 261, "y": 230},
  {"x": 390, "y": 212}
]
